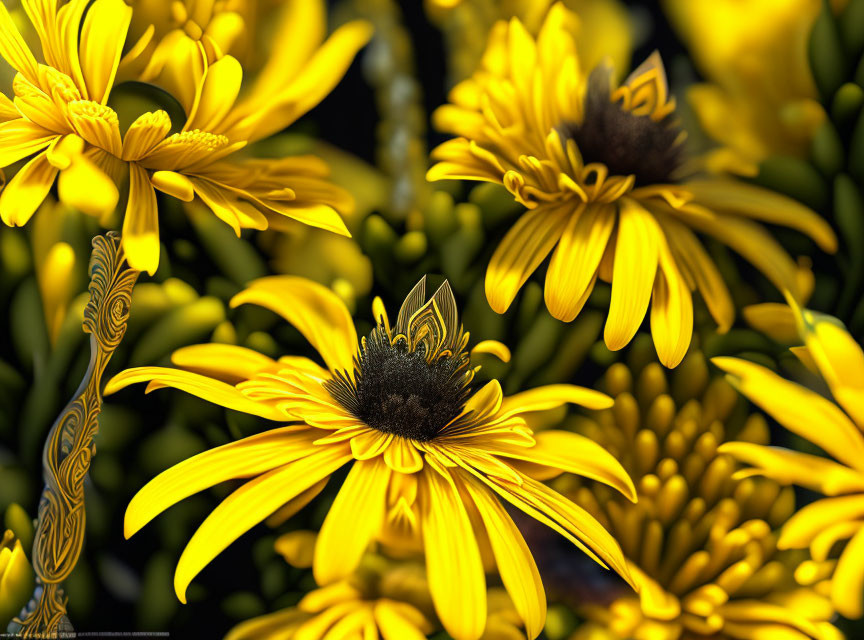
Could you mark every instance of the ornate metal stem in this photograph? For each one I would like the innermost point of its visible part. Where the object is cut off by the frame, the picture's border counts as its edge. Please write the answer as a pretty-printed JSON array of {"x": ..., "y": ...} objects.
[{"x": 70, "y": 448}]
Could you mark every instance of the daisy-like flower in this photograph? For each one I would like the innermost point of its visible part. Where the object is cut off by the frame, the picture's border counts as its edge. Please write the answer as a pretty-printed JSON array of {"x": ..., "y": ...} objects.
[
  {"x": 430, "y": 456},
  {"x": 701, "y": 542},
  {"x": 760, "y": 98},
  {"x": 61, "y": 113},
  {"x": 601, "y": 170},
  {"x": 836, "y": 521}
]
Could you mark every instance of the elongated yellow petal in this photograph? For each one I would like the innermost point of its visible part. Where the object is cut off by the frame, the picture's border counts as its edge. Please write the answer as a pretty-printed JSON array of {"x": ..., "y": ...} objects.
[
  {"x": 226, "y": 362},
  {"x": 219, "y": 91},
  {"x": 521, "y": 251},
  {"x": 671, "y": 311},
  {"x": 393, "y": 625},
  {"x": 798, "y": 409},
  {"x": 251, "y": 456},
  {"x": 515, "y": 563},
  {"x": 26, "y": 191},
  {"x": 762, "y": 204},
  {"x": 839, "y": 358},
  {"x": 574, "y": 263},
  {"x": 103, "y": 34},
  {"x": 85, "y": 187},
  {"x": 201, "y": 386},
  {"x": 14, "y": 50},
  {"x": 806, "y": 524},
  {"x": 402, "y": 456},
  {"x": 636, "y": 255},
  {"x": 793, "y": 467},
  {"x": 847, "y": 584},
  {"x": 174, "y": 184},
  {"x": 249, "y": 505},
  {"x": 552, "y": 396},
  {"x": 453, "y": 562},
  {"x": 492, "y": 347},
  {"x": 572, "y": 453},
  {"x": 356, "y": 515},
  {"x": 315, "y": 310},
  {"x": 141, "y": 222}
]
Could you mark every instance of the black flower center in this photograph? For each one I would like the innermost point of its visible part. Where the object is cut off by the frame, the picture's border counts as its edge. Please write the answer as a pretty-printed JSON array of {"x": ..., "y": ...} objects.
[
  {"x": 626, "y": 143},
  {"x": 398, "y": 391}
]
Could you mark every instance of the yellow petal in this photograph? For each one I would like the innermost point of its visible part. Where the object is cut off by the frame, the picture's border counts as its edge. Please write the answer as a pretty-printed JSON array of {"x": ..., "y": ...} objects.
[
  {"x": 800, "y": 530},
  {"x": 103, "y": 34},
  {"x": 226, "y": 362},
  {"x": 85, "y": 187},
  {"x": 774, "y": 319},
  {"x": 636, "y": 255},
  {"x": 141, "y": 222},
  {"x": 847, "y": 584},
  {"x": 315, "y": 310},
  {"x": 798, "y": 409},
  {"x": 393, "y": 625},
  {"x": 356, "y": 515},
  {"x": 552, "y": 396},
  {"x": 671, "y": 311},
  {"x": 201, "y": 386},
  {"x": 249, "y": 505},
  {"x": 26, "y": 191},
  {"x": 453, "y": 563},
  {"x": 762, "y": 204},
  {"x": 492, "y": 347},
  {"x": 402, "y": 456},
  {"x": 56, "y": 278},
  {"x": 574, "y": 264},
  {"x": 174, "y": 184},
  {"x": 219, "y": 90},
  {"x": 793, "y": 467},
  {"x": 251, "y": 456},
  {"x": 572, "y": 453},
  {"x": 513, "y": 557},
  {"x": 14, "y": 50},
  {"x": 521, "y": 251}
]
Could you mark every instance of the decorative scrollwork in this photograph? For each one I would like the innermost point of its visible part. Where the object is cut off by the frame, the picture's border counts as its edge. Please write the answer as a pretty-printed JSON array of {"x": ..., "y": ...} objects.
[{"x": 70, "y": 448}]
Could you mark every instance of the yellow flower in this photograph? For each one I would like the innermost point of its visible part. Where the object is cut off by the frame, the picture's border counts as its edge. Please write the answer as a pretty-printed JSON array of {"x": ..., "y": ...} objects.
[
  {"x": 16, "y": 578},
  {"x": 759, "y": 98},
  {"x": 701, "y": 541},
  {"x": 601, "y": 171},
  {"x": 834, "y": 428},
  {"x": 430, "y": 457},
  {"x": 61, "y": 113}
]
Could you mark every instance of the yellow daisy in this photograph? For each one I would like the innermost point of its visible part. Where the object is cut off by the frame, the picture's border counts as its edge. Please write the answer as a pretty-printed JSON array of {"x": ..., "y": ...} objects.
[
  {"x": 430, "y": 456},
  {"x": 759, "y": 98},
  {"x": 836, "y": 428},
  {"x": 61, "y": 113},
  {"x": 701, "y": 542},
  {"x": 601, "y": 170}
]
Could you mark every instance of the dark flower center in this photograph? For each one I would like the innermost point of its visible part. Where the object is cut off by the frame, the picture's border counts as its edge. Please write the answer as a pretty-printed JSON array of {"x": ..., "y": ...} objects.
[
  {"x": 398, "y": 391},
  {"x": 627, "y": 144}
]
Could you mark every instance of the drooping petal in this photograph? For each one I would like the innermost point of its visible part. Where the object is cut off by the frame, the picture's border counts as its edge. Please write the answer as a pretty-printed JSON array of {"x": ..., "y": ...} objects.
[
  {"x": 315, "y": 310},
  {"x": 203, "y": 387},
  {"x": 22, "y": 138},
  {"x": 356, "y": 515},
  {"x": 633, "y": 273},
  {"x": 453, "y": 562},
  {"x": 26, "y": 191},
  {"x": 492, "y": 347},
  {"x": 14, "y": 50},
  {"x": 249, "y": 505},
  {"x": 219, "y": 90},
  {"x": 572, "y": 453},
  {"x": 847, "y": 583},
  {"x": 141, "y": 222},
  {"x": 515, "y": 563},
  {"x": 574, "y": 263},
  {"x": 800, "y": 410},
  {"x": 84, "y": 186},
  {"x": 244, "y": 458},
  {"x": 521, "y": 251},
  {"x": 671, "y": 311},
  {"x": 226, "y": 362}
]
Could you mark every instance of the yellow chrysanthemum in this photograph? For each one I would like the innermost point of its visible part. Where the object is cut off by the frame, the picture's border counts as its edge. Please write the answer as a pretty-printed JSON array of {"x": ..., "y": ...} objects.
[
  {"x": 600, "y": 169},
  {"x": 759, "y": 98},
  {"x": 836, "y": 429},
  {"x": 700, "y": 542},
  {"x": 430, "y": 456},
  {"x": 61, "y": 113}
]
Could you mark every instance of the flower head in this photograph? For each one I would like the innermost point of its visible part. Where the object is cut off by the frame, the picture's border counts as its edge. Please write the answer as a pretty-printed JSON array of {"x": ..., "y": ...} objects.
[
  {"x": 836, "y": 428},
  {"x": 16, "y": 578},
  {"x": 601, "y": 169},
  {"x": 701, "y": 541},
  {"x": 61, "y": 112},
  {"x": 431, "y": 456}
]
